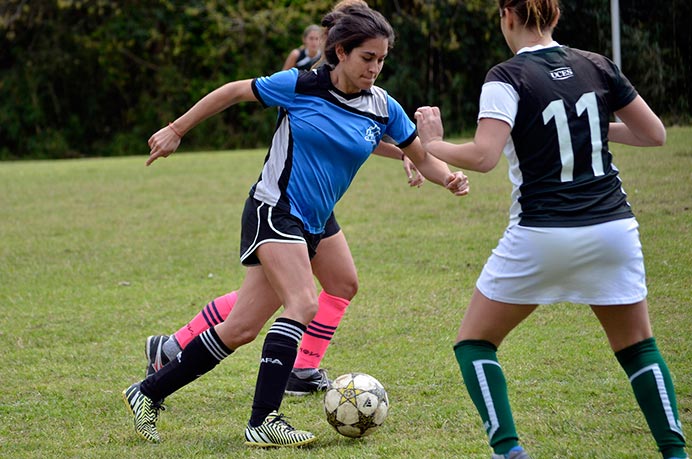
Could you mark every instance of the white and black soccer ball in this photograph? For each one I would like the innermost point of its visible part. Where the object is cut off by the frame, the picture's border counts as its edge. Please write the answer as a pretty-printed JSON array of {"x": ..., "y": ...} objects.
[{"x": 356, "y": 404}]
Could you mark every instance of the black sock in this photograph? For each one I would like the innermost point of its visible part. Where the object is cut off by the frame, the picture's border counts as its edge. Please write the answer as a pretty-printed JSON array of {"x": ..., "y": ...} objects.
[
  {"x": 278, "y": 355},
  {"x": 200, "y": 356}
]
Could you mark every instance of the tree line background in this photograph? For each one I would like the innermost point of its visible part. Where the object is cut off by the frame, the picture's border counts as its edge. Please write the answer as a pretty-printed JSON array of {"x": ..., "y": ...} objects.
[{"x": 96, "y": 78}]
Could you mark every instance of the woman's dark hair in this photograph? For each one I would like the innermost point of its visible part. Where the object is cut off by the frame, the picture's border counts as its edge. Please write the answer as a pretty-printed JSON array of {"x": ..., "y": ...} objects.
[
  {"x": 533, "y": 13},
  {"x": 350, "y": 27}
]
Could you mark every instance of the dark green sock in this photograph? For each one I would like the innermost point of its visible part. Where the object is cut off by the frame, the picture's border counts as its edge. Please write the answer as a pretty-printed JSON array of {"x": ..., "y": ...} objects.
[
  {"x": 654, "y": 391},
  {"x": 487, "y": 387}
]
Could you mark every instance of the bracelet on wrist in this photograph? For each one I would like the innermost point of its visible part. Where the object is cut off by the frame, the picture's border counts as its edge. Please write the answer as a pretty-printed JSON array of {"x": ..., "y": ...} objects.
[{"x": 175, "y": 131}]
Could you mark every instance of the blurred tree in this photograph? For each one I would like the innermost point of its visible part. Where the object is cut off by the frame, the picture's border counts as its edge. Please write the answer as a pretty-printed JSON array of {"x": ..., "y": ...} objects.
[
  {"x": 94, "y": 77},
  {"x": 97, "y": 77},
  {"x": 656, "y": 47}
]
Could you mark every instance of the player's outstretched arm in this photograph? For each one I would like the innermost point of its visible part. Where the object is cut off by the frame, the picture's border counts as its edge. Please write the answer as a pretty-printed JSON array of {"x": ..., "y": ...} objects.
[
  {"x": 435, "y": 170},
  {"x": 388, "y": 150},
  {"x": 167, "y": 139},
  {"x": 481, "y": 154}
]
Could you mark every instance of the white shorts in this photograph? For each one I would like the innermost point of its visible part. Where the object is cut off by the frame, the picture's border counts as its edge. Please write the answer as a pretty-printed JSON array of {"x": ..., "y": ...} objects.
[{"x": 599, "y": 265}]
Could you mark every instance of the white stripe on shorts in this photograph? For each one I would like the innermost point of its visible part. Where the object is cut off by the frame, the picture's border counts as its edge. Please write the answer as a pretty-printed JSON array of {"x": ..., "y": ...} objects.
[{"x": 290, "y": 238}]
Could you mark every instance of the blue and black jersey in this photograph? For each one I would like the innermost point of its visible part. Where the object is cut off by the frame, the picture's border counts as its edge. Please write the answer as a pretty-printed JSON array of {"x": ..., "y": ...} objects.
[
  {"x": 322, "y": 138},
  {"x": 558, "y": 102}
]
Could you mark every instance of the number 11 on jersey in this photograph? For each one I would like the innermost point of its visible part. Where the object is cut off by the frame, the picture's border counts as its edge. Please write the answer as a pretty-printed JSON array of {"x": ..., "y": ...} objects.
[{"x": 556, "y": 110}]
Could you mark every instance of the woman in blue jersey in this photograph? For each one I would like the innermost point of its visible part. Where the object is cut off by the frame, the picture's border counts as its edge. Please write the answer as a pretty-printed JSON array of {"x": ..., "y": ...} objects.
[
  {"x": 572, "y": 236},
  {"x": 332, "y": 265},
  {"x": 330, "y": 121}
]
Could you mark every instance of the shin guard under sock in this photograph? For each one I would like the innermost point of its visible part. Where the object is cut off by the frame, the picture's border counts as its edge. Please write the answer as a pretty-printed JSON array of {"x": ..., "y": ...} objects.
[
  {"x": 200, "y": 356},
  {"x": 320, "y": 330},
  {"x": 212, "y": 314},
  {"x": 487, "y": 387},
  {"x": 278, "y": 354},
  {"x": 655, "y": 394}
]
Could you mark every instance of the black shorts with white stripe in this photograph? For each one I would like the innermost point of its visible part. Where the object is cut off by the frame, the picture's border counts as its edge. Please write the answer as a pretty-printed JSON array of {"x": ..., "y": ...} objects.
[{"x": 263, "y": 223}]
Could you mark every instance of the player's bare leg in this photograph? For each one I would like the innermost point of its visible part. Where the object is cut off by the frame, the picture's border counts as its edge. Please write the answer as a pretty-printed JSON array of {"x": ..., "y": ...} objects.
[
  {"x": 287, "y": 272},
  {"x": 334, "y": 268}
]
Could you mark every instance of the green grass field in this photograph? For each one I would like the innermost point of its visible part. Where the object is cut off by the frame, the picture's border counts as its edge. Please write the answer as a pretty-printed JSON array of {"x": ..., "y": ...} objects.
[{"x": 97, "y": 254}]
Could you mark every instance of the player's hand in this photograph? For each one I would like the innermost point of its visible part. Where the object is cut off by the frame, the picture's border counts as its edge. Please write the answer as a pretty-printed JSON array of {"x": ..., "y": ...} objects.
[
  {"x": 164, "y": 142},
  {"x": 415, "y": 178},
  {"x": 458, "y": 184},
  {"x": 429, "y": 124}
]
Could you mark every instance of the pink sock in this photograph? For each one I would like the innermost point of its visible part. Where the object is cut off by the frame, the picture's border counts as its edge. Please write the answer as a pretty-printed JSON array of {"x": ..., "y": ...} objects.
[
  {"x": 320, "y": 331},
  {"x": 212, "y": 314}
]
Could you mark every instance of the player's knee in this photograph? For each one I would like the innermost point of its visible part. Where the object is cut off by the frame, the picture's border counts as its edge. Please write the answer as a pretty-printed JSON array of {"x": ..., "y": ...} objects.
[
  {"x": 310, "y": 310},
  {"x": 302, "y": 307},
  {"x": 246, "y": 336},
  {"x": 345, "y": 289},
  {"x": 236, "y": 335}
]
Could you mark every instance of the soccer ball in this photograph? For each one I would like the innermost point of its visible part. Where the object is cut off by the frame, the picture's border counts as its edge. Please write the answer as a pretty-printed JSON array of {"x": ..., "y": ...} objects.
[{"x": 356, "y": 404}]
